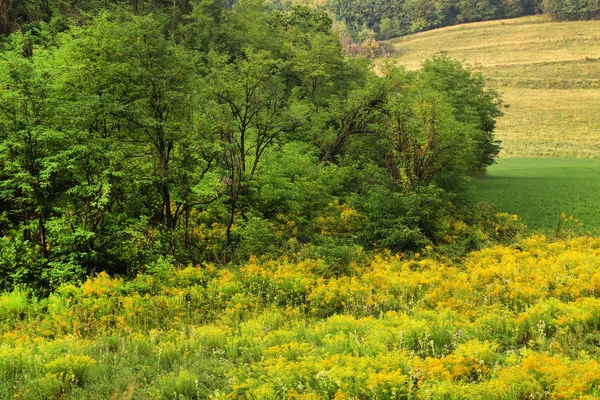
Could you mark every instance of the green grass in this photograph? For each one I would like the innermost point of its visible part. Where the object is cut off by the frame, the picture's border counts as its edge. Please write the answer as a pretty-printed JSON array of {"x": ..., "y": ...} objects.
[{"x": 539, "y": 190}]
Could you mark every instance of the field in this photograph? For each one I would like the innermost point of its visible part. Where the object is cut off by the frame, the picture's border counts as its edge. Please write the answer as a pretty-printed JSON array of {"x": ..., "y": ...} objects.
[
  {"x": 550, "y": 123},
  {"x": 514, "y": 322},
  {"x": 540, "y": 190},
  {"x": 547, "y": 72}
]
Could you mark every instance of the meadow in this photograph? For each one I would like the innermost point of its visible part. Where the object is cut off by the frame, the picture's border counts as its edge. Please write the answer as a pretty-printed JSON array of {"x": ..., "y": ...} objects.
[
  {"x": 540, "y": 190},
  {"x": 548, "y": 74},
  {"x": 508, "y": 322}
]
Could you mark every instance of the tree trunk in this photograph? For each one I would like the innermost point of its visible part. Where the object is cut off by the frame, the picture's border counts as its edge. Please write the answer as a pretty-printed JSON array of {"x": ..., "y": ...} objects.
[{"x": 43, "y": 241}]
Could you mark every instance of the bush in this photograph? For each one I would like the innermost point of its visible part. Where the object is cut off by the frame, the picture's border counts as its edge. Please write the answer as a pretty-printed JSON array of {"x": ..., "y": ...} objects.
[
  {"x": 72, "y": 368},
  {"x": 13, "y": 305}
]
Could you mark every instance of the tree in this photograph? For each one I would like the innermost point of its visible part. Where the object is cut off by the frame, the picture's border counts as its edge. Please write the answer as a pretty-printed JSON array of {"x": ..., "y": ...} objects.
[
  {"x": 432, "y": 126},
  {"x": 477, "y": 10},
  {"x": 33, "y": 153},
  {"x": 315, "y": 62},
  {"x": 140, "y": 88},
  {"x": 355, "y": 115},
  {"x": 422, "y": 15},
  {"x": 572, "y": 9},
  {"x": 251, "y": 113},
  {"x": 472, "y": 103},
  {"x": 425, "y": 140},
  {"x": 388, "y": 28},
  {"x": 14, "y": 14}
]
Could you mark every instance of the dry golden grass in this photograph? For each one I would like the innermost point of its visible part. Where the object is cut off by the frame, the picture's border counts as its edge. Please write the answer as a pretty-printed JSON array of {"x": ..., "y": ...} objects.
[
  {"x": 550, "y": 123},
  {"x": 548, "y": 72}
]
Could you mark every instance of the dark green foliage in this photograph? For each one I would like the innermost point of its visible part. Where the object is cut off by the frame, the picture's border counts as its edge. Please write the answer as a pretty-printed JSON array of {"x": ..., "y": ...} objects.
[
  {"x": 401, "y": 221},
  {"x": 386, "y": 19},
  {"x": 383, "y": 18},
  {"x": 572, "y": 9},
  {"x": 395, "y": 18},
  {"x": 15, "y": 14},
  {"x": 137, "y": 132}
]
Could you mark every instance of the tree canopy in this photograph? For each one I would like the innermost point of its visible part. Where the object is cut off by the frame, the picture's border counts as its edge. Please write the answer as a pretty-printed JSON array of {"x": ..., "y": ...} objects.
[{"x": 196, "y": 131}]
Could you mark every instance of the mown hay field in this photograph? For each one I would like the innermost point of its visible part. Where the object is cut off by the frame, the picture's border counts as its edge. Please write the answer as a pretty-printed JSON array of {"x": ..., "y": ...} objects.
[
  {"x": 547, "y": 72},
  {"x": 516, "y": 322}
]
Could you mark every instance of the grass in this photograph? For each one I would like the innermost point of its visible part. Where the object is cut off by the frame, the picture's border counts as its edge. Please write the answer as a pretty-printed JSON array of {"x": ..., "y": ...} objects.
[
  {"x": 548, "y": 73},
  {"x": 550, "y": 123},
  {"x": 539, "y": 190},
  {"x": 549, "y": 76}
]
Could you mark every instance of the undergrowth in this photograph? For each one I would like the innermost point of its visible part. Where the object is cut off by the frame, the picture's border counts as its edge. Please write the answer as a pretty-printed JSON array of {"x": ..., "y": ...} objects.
[{"x": 511, "y": 322}]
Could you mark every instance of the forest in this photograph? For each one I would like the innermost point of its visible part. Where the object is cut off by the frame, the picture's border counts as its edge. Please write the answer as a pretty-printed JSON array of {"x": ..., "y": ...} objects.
[
  {"x": 145, "y": 134},
  {"x": 360, "y": 20}
]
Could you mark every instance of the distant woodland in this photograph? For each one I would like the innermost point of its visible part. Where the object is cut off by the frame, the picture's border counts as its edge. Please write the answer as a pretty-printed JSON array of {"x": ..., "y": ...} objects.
[{"x": 361, "y": 19}]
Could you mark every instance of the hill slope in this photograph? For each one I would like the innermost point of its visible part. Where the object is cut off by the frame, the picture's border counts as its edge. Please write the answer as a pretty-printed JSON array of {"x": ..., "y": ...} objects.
[{"x": 548, "y": 73}]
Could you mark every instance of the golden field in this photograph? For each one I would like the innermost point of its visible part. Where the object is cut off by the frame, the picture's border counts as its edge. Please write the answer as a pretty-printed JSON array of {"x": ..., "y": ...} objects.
[
  {"x": 508, "y": 322},
  {"x": 547, "y": 72}
]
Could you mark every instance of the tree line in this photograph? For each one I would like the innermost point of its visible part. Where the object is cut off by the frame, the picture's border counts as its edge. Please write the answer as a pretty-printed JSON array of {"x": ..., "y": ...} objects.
[
  {"x": 362, "y": 19},
  {"x": 139, "y": 133},
  {"x": 384, "y": 19}
]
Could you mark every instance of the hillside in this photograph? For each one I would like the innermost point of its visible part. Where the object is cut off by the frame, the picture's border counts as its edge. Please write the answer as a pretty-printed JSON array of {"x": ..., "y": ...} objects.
[{"x": 548, "y": 73}]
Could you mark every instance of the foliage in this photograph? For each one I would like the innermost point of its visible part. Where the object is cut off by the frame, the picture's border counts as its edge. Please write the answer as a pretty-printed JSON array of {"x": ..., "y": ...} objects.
[
  {"x": 215, "y": 134},
  {"x": 390, "y": 19},
  {"x": 572, "y": 9},
  {"x": 383, "y": 18},
  {"x": 390, "y": 327}
]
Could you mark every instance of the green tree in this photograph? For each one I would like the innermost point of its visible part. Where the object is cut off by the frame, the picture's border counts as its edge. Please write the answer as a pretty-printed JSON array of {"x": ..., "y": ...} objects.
[
  {"x": 477, "y": 10},
  {"x": 33, "y": 153},
  {"x": 425, "y": 141},
  {"x": 389, "y": 28},
  {"x": 313, "y": 54},
  {"x": 15, "y": 14},
  {"x": 572, "y": 9},
  {"x": 139, "y": 88},
  {"x": 251, "y": 113},
  {"x": 472, "y": 103},
  {"x": 422, "y": 15}
]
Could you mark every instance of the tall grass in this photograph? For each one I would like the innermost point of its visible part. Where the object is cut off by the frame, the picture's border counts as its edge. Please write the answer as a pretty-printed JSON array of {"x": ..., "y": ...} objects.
[{"x": 513, "y": 322}]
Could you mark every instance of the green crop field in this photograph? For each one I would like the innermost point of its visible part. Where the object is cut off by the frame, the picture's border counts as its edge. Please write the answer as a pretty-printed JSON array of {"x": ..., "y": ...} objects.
[
  {"x": 540, "y": 190},
  {"x": 548, "y": 74}
]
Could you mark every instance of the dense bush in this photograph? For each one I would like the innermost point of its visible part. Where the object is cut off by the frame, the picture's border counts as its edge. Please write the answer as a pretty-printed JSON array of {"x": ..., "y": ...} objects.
[{"x": 201, "y": 134}]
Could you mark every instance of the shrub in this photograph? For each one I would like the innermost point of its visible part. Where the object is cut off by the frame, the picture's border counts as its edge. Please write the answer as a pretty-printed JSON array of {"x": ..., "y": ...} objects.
[{"x": 72, "y": 368}]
